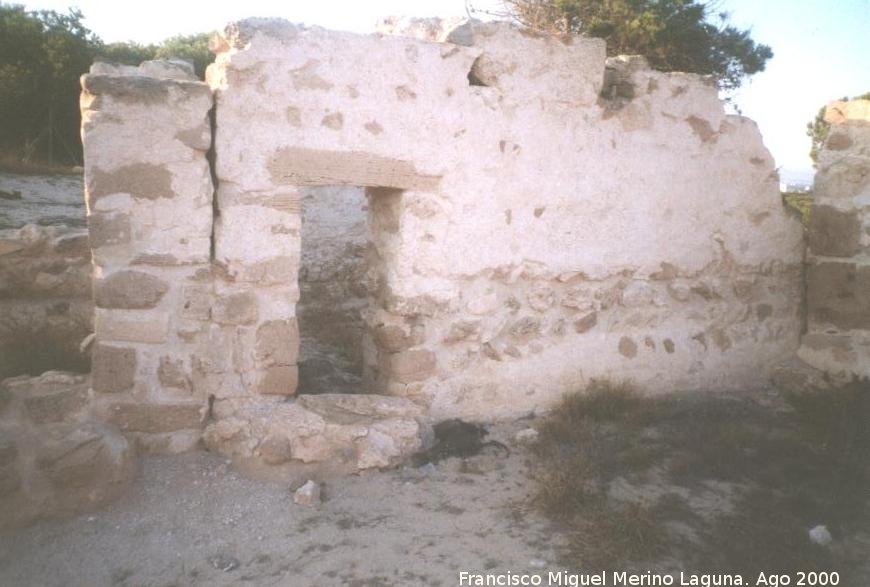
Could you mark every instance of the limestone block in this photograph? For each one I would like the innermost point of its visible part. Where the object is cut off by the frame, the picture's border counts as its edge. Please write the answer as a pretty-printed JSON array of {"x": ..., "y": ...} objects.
[
  {"x": 197, "y": 137},
  {"x": 834, "y": 232},
  {"x": 276, "y": 449},
  {"x": 151, "y": 417},
  {"x": 113, "y": 368},
  {"x": 196, "y": 302},
  {"x": 254, "y": 233},
  {"x": 131, "y": 326},
  {"x": 214, "y": 353},
  {"x": 425, "y": 29},
  {"x": 586, "y": 322},
  {"x": 236, "y": 308},
  {"x": 277, "y": 303},
  {"x": 395, "y": 337},
  {"x": 510, "y": 58},
  {"x": 388, "y": 442},
  {"x": 243, "y": 342},
  {"x": 412, "y": 365},
  {"x": 839, "y": 294},
  {"x": 129, "y": 290},
  {"x": 277, "y": 343},
  {"x": 295, "y": 166},
  {"x": 145, "y": 90},
  {"x": 168, "y": 69},
  {"x": 159, "y": 68},
  {"x": 172, "y": 373},
  {"x": 278, "y": 380},
  {"x": 842, "y": 178},
  {"x": 176, "y": 232},
  {"x": 840, "y": 111},
  {"x": 242, "y": 427},
  {"x": 278, "y": 271}
]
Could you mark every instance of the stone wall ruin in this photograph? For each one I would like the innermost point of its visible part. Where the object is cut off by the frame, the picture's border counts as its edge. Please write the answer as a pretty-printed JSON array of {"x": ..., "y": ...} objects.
[
  {"x": 838, "y": 265},
  {"x": 537, "y": 216}
]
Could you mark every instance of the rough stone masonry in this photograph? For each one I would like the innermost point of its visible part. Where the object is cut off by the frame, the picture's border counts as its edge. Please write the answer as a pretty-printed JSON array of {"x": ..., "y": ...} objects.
[
  {"x": 538, "y": 216},
  {"x": 838, "y": 265}
]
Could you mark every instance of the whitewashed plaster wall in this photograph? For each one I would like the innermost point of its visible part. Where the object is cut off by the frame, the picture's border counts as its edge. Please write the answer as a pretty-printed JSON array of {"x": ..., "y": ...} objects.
[{"x": 532, "y": 227}]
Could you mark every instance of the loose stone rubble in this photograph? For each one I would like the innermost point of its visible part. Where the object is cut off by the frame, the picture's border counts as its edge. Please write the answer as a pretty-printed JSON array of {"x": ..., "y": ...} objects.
[
  {"x": 308, "y": 494},
  {"x": 361, "y": 431},
  {"x": 838, "y": 263},
  {"x": 55, "y": 460},
  {"x": 45, "y": 299},
  {"x": 538, "y": 215}
]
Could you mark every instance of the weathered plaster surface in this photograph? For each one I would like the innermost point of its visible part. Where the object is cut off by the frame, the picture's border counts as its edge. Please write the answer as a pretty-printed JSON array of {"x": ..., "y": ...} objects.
[
  {"x": 838, "y": 271},
  {"x": 531, "y": 235}
]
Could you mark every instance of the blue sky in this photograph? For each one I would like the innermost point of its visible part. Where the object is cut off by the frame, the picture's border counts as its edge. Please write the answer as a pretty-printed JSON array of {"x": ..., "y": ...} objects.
[{"x": 821, "y": 47}]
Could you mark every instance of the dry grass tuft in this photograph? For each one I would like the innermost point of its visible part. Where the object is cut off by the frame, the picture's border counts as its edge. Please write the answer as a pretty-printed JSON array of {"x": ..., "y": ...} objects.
[
  {"x": 582, "y": 448},
  {"x": 783, "y": 471},
  {"x": 801, "y": 203}
]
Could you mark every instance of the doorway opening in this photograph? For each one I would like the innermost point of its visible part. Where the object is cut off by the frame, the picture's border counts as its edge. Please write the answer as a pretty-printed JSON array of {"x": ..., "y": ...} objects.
[{"x": 336, "y": 287}]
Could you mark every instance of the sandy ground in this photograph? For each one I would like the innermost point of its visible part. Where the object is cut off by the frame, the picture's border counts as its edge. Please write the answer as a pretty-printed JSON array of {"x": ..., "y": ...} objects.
[{"x": 189, "y": 514}]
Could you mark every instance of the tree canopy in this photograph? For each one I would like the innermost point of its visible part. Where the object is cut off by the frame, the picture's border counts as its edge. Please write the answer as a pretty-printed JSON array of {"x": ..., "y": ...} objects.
[
  {"x": 42, "y": 55},
  {"x": 673, "y": 35}
]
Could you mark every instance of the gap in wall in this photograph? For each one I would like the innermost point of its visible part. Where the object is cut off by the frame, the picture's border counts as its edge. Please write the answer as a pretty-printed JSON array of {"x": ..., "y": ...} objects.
[{"x": 333, "y": 278}]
